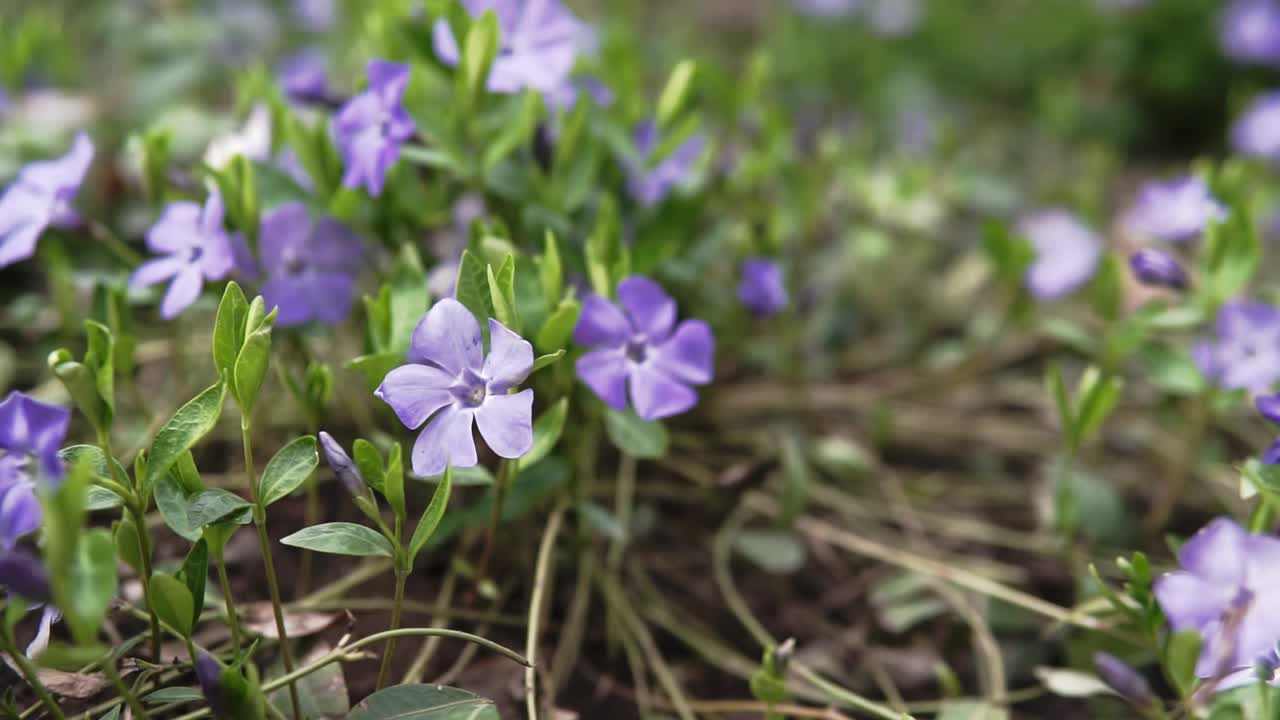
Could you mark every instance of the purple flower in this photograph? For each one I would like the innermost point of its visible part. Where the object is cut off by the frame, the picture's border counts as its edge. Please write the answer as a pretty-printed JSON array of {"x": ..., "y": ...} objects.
[
  {"x": 538, "y": 44},
  {"x": 829, "y": 8},
  {"x": 1067, "y": 253},
  {"x": 23, "y": 574},
  {"x": 442, "y": 280},
  {"x": 311, "y": 266},
  {"x": 1158, "y": 268},
  {"x": 895, "y": 18},
  {"x": 1269, "y": 406},
  {"x": 1244, "y": 352},
  {"x": 1257, "y": 132},
  {"x": 39, "y": 197},
  {"x": 639, "y": 346},
  {"x": 1227, "y": 591},
  {"x": 345, "y": 470},
  {"x": 1250, "y": 31},
  {"x": 650, "y": 183},
  {"x": 316, "y": 15},
  {"x": 566, "y": 96},
  {"x": 372, "y": 125},
  {"x": 450, "y": 381},
  {"x": 761, "y": 289},
  {"x": 304, "y": 77},
  {"x": 1175, "y": 210},
  {"x": 29, "y": 430},
  {"x": 194, "y": 246}
]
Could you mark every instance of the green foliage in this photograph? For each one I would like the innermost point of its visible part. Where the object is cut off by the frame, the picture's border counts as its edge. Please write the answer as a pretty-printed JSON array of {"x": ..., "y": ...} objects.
[
  {"x": 424, "y": 702},
  {"x": 341, "y": 538},
  {"x": 188, "y": 425},
  {"x": 638, "y": 438},
  {"x": 288, "y": 469}
]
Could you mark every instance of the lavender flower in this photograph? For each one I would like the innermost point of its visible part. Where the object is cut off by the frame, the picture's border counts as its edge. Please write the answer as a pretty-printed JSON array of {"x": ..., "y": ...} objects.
[
  {"x": 639, "y": 346},
  {"x": 311, "y": 266},
  {"x": 194, "y": 246},
  {"x": 566, "y": 96},
  {"x": 32, "y": 429},
  {"x": 649, "y": 183},
  {"x": 449, "y": 381},
  {"x": 895, "y": 18},
  {"x": 373, "y": 125},
  {"x": 1175, "y": 210},
  {"x": 538, "y": 44},
  {"x": 345, "y": 470},
  {"x": 23, "y": 574},
  {"x": 1249, "y": 31},
  {"x": 761, "y": 289},
  {"x": 39, "y": 197},
  {"x": 1158, "y": 268},
  {"x": 1227, "y": 591},
  {"x": 1067, "y": 253},
  {"x": 829, "y": 8},
  {"x": 304, "y": 77},
  {"x": 209, "y": 675},
  {"x": 29, "y": 430},
  {"x": 1244, "y": 352},
  {"x": 316, "y": 15},
  {"x": 1257, "y": 132}
]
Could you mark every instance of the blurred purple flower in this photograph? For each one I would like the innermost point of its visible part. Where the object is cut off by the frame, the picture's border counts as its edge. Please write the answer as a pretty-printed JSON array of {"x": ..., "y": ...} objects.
[
  {"x": 1158, "y": 268},
  {"x": 311, "y": 266},
  {"x": 451, "y": 382},
  {"x": 252, "y": 141},
  {"x": 1249, "y": 31},
  {"x": 340, "y": 462},
  {"x": 650, "y": 184},
  {"x": 23, "y": 574},
  {"x": 1244, "y": 352},
  {"x": 1175, "y": 210},
  {"x": 761, "y": 289},
  {"x": 316, "y": 15},
  {"x": 373, "y": 125},
  {"x": 1121, "y": 677},
  {"x": 539, "y": 42},
  {"x": 1227, "y": 591},
  {"x": 39, "y": 197},
  {"x": 1269, "y": 406},
  {"x": 566, "y": 96},
  {"x": 895, "y": 18},
  {"x": 195, "y": 247},
  {"x": 1067, "y": 253},
  {"x": 640, "y": 347},
  {"x": 29, "y": 431},
  {"x": 304, "y": 76},
  {"x": 442, "y": 280},
  {"x": 829, "y": 8},
  {"x": 1257, "y": 132}
]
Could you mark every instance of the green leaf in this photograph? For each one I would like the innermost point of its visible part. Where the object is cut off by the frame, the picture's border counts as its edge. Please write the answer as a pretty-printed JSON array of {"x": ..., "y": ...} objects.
[
  {"x": 424, "y": 702},
  {"x": 100, "y": 358},
  {"x": 1180, "y": 655},
  {"x": 558, "y": 327},
  {"x": 473, "y": 289},
  {"x": 228, "y": 329},
  {"x": 375, "y": 367},
  {"x": 155, "y": 163},
  {"x": 517, "y": 131},
  {"x": 176, "y": 694},
  {"x": 775, "y": 551},
  {"x": 797, "y": 480},
  {"x": 216, "y": 505},
  {"x": 173, "y": 602},
  {"x": 369, "y": 463},
  {"x": 173, "y": 502},
  {"x": 432, "y": 515},
  {"x": 394, "y": 481},
  {"x": 99, "y": 498},
  {"x": 125, "y": 537},
  {"x": 341, "y": 538},
  {"x": 1097, "y": 398},
  {"x": 289, "y": 469},
  {"x": 674, "y": 92},
  {"x": 407, "y": 299},
  {"x": 194, "y": 574},
  {"x": 502, "y": 293},
  {"x": 82, "y": 386},
  {"x": 551, "y": 270},
  {"x": 187, "y": 426},
  {"x": 638, "y": 438},
  {"x": 92, "y": 583},
  {"x": 251, "y": 365},
  {"x": 479, "y": 49},
  {"x": 604, "y": 247},
  {"x": 1061, "y": 400},
  {"x": 1173, "y": 371},
  {"x": 546, "y": 433},
  {"x": 547, "y": 360}
]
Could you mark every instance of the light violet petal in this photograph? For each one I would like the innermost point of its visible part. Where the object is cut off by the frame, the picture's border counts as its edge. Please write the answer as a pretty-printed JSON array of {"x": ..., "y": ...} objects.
[
  {"x": 446, "y": 46},
  {"x": 48, "y": 616},
  {"x": 20, "y": 243},
  {"x": 414, "y": 392},
  {"x": 510, "y": 358},
  {"x": 445, "y": 441},
  {"x": 689, "y": 354},
  {"x": 156, "y": 271},
  {"x": 506, "y": 422},
  {"x": 601, "y": 323},
  {"x": 1217, "y": 553},
  {"x": 650, "y": 308},
  {"x": 283, "y": 231},
  {"x": 19, "y": 514},
  {"x": 1190, "y": 602},
  {"x": 183, "y": 291},
  {"x": 656, "y": 396},
  {"x": 448, "y": 336},
  {"x": 177, "y": 229},
  {"x": 605, "y": 372}
]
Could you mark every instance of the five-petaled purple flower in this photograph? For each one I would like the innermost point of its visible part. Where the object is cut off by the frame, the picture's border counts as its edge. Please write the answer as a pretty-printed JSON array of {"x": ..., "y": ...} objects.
[
  {"x": 373, "y": 125},
  {"x": 1250, "y": 31},
  {"x": 30, "y": 435},
  {"x": 761, "y": 289},
  {"x": 451, "y": 382},
  {"x": 1179, "y": 209},
  {"x": 1244, "y": 352},
  {"x": 649, "y": 183},
  {"x": 194, "y": 246},
  {"x": 1257, "y": 131},
  {"x": 1158, "y": 268},
  {"x": 538, "y": 44},
  {"x": 39, "y": 197},
  {"x": 1227, "y": 591},
  {"x": 311, "y": 266},
  {"x": 1066, "y": 253},
  {"x": 640, "y": 347},
  {"x": 828, "y": 8}
]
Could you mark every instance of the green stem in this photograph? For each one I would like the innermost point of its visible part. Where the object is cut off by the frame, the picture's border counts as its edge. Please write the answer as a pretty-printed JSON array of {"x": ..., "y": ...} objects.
[
  {"x": 264, "y": 542},
  {"x": 130, "y": 699},
  {"x": 541, "y": 572},
  {"x": 401, "y": 576},
  {"x": 29, "y": 674},
  {"x": 108, "y": 239},
  {"x": 495, "y": 518},
  {"x": 233, "y": 620},
  {"x": 622, "y": 509},
  {"x": 137, "y": 509}
]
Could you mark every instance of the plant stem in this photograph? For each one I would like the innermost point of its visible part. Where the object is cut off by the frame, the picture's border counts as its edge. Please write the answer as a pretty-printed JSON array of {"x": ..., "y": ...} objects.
[
  {"x": 540, "y": 591},
  {"x": 495, "y": 518},
  {"x": 30, "y": 674},
  {"x": 622, "y": 509},
  {"x": 260, "y": 522},
  {"x": 130, "y": 699},
  {"x": 401, "y": 576},
  {"x": 224, "y": 583},
  {"x": 137, "y": 508}
]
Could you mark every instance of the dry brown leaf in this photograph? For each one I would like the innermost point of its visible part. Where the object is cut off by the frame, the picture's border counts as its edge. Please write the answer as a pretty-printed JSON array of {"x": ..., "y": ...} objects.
[
  {"x": 78, "y": 686},
  {"x": 259, "y": 618}
]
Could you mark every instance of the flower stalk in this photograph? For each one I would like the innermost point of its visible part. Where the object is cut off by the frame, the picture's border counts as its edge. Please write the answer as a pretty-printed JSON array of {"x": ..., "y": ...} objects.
[
  {"x": 28, "y": 671},
  {"x": 137, "y": 512}
]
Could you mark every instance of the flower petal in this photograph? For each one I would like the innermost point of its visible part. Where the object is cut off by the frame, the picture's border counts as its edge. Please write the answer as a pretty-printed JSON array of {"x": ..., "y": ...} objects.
[
  {"x": 19, "y": 514},
  {"x": 177, "y": 229},
  {"x": 601, "y": 323},
  {"x": 448, "y": 336},
  {"x": 656, "y": 396},
  {"x": 1190, "y": 602},
  {"x": 651, "y": 309},
  {"x": 510, "y": 358},
  {"x": 506, "y": 422},
  {"x": 28, "y": 426},
  {"x": 19, "y": 243},
  {"x": 48, "y": 616},
  {"x": 605, "y": 372},
  {"x": 64, "y": 173},
  {"x": 1218, "y": 552},
  {"x": 284, "y": 231},
  {"x": 415, "y": 391},
  {"x": 156, "y": 271},
  {"x": 183, "y": 291},
  {"x": 689, "y": 354},
  {"x": 445, "y": 441}
]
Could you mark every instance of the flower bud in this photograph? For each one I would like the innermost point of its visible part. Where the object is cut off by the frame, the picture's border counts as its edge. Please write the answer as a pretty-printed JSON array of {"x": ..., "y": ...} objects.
[
  {"x": 1158, "y": 268},
  {"x": 1122, "y": 678},
  {"x": 342, "y": 465},
  {"x": 23, "y": 574},
  {"x": 209, "y": 674}
]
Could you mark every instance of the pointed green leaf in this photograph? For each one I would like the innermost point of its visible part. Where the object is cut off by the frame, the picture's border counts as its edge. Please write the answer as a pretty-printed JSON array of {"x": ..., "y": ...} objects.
[
  {"x": 289, "y": 469},
  {"x": 217, "y": 505},
  {"x": 558, "y": 327},
  {"x": 432, "y": 515},
  {"x": 546, "y": 433},
  {"x": 551, "y": 270},
  {"x": 424, "y": 702},
  {"x": 341, "y": 538},
  {"x": 187, "y": 426},
  {"x": 645, "y": 439},
  {"x": 228, "y": 329},
  {"x": 173, "y": 602}
]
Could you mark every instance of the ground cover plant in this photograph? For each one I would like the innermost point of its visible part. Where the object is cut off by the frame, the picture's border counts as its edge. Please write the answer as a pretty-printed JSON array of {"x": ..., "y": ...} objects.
[{"x": 551, "y": 359}]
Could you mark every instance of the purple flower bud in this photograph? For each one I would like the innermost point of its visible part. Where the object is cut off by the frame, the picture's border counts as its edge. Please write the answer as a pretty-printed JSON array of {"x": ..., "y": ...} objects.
[
  {"x": 23, "y": 574},
  {"x": 761, "y": 289},
  {"x": 209, "y": 674},
  {"x": 340, "y": 461},
  {"x": 1271, "y": 456},
  {"x": 1122, "y": 678},
  {"x": 1269, "y": 406},
  {"x": 1158, "y": 268}
]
